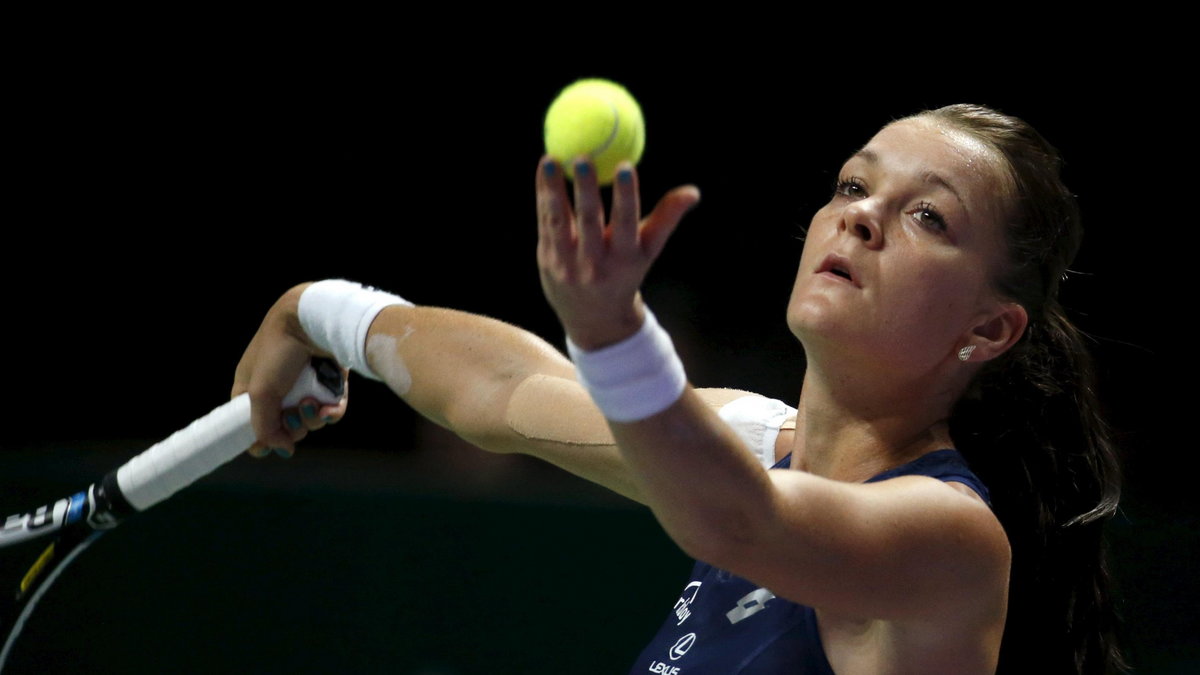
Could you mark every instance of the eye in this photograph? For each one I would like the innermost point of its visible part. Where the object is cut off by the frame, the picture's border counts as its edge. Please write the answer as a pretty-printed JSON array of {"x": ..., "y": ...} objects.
[
  {"x": 927, "y": 216},
  {"x": 853, "y": 187}
]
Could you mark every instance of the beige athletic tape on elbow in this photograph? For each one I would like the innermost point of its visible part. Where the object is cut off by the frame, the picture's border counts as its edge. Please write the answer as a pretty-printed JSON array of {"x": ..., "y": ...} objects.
[{"x": 558, "y": 410}]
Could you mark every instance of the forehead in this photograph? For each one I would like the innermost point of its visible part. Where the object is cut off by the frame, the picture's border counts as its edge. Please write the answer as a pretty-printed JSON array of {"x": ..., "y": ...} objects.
[{"x": 924, "y": 147}]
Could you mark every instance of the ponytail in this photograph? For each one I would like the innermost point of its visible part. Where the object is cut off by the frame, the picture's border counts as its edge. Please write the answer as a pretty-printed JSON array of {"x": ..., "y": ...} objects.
[
  {"x": 1033, "y": 429},
  {"x": 1032, "y": 426}
]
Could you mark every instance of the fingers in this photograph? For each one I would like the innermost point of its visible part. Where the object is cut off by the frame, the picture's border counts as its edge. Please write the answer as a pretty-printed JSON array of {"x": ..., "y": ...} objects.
[
  {"x": 296, "y": 423},
  {"x": 582, "y": 234},
  {"x": 555, "y": 238},
  {"x": 665, "y": 217},
  {"x": 589, "y": 210},
  {"x": 310, "y": 415},
  {"x": 259, "y": 450},
  {"x": 307, "y": 410},
  {"x": 276, "y": 356},
  {"x": 270, "y": 427},
  {"x": 275, "y": 371},
  {"x": 626, "y": 210},
  {"x": 332, "y": 414},
  {"x": 590, "y": 270},
  {"x": 315, "y": 415}
]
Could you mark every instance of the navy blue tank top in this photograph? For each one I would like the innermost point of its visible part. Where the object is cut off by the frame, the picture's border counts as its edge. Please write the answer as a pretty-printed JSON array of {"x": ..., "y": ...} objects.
[{"x": 725, "y": 625}]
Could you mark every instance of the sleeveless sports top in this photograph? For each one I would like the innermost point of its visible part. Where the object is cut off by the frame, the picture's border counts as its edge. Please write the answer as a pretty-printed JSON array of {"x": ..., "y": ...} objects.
[{"x": 725, "y": 625}]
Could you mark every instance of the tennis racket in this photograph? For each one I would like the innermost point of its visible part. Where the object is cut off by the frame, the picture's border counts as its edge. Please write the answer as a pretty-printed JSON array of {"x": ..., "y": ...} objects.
[{"x": 140, "y": 483}]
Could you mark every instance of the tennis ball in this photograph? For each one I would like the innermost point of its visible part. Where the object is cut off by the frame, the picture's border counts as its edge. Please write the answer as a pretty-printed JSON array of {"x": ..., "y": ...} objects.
[{"x": 599, "y": 119}]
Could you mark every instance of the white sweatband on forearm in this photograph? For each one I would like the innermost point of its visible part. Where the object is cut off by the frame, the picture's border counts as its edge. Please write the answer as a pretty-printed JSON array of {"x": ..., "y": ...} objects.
[
  {"x": 336, "y": 314},
  {"x": 635, "y": 378}
]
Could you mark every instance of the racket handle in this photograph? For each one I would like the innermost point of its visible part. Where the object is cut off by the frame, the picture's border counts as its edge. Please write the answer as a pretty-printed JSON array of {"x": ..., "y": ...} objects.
[{"x": 212, "y": 440}]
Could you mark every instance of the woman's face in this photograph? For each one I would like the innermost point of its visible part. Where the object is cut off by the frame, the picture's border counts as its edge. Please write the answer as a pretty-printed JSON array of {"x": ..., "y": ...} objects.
[{"x": 898, "y": 265}]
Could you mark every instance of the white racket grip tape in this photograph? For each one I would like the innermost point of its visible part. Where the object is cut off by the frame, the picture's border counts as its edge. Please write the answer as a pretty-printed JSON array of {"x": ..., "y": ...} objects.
[
  {"x": 187, "y": 454},
  {"x": 202, "y": 446}
]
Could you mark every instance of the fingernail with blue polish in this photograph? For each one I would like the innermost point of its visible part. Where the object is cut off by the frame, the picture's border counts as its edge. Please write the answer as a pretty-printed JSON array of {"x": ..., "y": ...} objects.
[
  {"x": 292, "y": 421},
  {"x": 327, "y": 420},
  {"x": 548, "y": 169},
  {"x": 283, "y": 453},
  {"x": 308, "y": 410},
  {"x": 625, "y": 175},
  {"x": 581, "y": 168}
]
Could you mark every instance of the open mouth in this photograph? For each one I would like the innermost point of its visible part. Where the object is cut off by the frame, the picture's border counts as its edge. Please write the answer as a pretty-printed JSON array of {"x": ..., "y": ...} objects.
[{"x": 838, "y": 266}]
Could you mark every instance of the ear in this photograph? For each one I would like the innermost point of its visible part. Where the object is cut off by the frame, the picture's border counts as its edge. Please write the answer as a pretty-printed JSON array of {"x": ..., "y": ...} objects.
[{"x": 997, "y": 332}]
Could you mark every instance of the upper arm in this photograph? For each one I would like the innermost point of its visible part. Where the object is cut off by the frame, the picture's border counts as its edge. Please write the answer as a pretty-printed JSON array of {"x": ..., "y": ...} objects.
[{"x": 912, "y": 547}]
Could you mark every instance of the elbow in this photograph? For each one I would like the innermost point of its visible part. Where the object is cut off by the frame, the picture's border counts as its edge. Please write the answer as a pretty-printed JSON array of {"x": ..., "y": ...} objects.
[
  {"x": 482, "y": 414},
  {"x": 724, "y": 522},
  {"x": 724, "y": 539},
  {"x": 469, "y": 418}
]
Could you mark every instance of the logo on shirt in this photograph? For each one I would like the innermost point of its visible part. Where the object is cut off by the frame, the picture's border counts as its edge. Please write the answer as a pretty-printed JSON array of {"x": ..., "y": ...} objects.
[
  {"x": 684, "y": 603},
  {"x": 750, "y": 604},
  {"x": 681, "y": 646}
]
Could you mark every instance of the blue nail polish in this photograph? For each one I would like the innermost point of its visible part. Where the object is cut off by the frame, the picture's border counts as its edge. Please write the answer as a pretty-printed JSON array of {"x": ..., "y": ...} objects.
[
  {"x": 548, "y": 169},
  {"x": 292, "y": 421},
  {"x": 327, "y": 420},
  {"x": 308, "y": 410},
  {"x": 581, "y": 169},
  {"x": 283, "y": 453},
  {"x": 625, "y": 176}
]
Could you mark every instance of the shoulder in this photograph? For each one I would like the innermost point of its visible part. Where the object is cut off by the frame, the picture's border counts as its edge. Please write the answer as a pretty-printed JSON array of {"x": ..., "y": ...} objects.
[
  {"x": 757, "y": 420},
  {"x": 910, "y": 548}
]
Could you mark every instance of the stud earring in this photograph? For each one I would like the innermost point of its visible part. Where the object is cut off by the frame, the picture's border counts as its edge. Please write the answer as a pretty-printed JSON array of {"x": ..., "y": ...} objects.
[{"x": 965, "y": 353}]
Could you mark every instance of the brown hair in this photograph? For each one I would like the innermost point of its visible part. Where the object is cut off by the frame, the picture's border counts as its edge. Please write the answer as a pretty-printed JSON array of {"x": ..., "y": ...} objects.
[{"x": 1032, "y": 427}]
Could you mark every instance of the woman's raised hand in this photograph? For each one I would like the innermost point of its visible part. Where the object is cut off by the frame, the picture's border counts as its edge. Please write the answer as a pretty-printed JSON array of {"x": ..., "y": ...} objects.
[{"x": 591, "y": 269}]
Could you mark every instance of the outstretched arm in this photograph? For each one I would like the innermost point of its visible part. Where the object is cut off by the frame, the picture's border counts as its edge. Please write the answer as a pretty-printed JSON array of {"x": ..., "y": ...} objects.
[{"x": 500, "y": 387}]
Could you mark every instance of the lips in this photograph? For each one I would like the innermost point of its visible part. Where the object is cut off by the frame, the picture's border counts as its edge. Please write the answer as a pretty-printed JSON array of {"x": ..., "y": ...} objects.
[{"x": 838, "y": 266}]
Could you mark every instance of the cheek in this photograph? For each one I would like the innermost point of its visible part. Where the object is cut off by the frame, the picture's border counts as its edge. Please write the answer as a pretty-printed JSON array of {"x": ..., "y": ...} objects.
[
  {"x": 939, "y": 303},
  {"x": 816, "y": 238},
  {"x": 797, "y": 292},
  {"x": 811, "y": 243}
]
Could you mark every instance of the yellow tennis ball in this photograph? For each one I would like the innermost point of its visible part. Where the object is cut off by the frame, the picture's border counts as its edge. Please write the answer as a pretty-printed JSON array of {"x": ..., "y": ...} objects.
[{"x": 598, "y": 119}]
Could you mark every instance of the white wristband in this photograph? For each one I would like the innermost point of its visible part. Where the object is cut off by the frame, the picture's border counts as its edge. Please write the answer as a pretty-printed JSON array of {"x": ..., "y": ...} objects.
[
  {"x": 635, "y": 378},
  {"x": 336, "y": 314}
]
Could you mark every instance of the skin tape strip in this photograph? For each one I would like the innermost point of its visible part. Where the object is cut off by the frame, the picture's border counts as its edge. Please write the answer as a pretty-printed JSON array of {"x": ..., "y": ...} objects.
[
  {"x": 384, "y": 360},
  {"x": 536, "y": 411}
]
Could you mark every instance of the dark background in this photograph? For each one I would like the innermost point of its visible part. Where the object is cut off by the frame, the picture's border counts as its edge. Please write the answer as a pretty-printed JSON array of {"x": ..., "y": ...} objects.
[{"x": 162, "y": 194}]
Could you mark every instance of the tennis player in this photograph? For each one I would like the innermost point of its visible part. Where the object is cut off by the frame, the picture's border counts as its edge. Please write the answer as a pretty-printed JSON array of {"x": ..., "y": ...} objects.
[{"x": 935, "y": 500}]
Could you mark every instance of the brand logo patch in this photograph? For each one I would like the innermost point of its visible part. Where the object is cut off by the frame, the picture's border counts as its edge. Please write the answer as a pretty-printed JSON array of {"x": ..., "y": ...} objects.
[
  {"x": 681, "y": 646},
  {"x": 684, "y": 603},
  {"x": 750, "y": 604}
]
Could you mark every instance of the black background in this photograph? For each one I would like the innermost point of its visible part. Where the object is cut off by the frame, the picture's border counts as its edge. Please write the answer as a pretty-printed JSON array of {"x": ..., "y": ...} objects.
[{"x": 163, "y": 191}]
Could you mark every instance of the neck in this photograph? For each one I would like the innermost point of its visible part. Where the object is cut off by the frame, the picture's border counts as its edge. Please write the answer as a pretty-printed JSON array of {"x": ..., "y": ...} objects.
[{"x": 850, "y": 427}]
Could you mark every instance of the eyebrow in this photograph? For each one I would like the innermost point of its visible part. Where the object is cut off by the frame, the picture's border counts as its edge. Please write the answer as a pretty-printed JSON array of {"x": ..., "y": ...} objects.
[{"x": 926, "y": 176}]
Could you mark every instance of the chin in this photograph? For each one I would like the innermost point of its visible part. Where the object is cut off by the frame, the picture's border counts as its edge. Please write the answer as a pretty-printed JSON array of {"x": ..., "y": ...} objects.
[
  {"x": 806, "y": 309},
  {"x": 820, "y": 327},
  {"x": 806, "y": 323}
]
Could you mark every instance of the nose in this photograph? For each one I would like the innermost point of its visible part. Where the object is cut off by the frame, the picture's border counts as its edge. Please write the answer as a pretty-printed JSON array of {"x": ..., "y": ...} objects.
[{"x": 863, "y": 219}]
